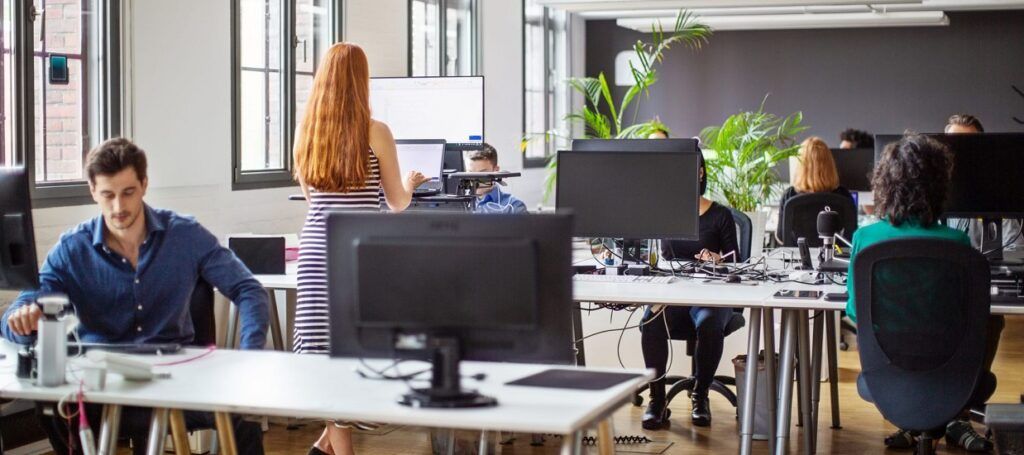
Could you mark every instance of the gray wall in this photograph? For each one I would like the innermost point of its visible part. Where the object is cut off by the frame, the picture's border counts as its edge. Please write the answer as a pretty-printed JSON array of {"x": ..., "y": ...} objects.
[{"x": 883, "y": 80}]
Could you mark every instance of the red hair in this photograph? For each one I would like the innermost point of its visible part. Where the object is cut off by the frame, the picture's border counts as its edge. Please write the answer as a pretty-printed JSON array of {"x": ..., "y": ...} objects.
[{"x": 333, "y": 143}]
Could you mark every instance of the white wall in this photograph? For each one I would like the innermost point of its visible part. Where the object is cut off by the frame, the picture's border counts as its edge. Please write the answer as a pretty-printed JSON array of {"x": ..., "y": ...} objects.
[{"x": 381, "y": 28}]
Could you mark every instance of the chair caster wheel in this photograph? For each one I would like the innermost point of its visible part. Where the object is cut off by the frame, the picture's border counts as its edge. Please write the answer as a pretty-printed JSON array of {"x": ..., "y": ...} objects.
[
  {"x": 638, "y": 400},
  {"x": 844, "y": 346}
]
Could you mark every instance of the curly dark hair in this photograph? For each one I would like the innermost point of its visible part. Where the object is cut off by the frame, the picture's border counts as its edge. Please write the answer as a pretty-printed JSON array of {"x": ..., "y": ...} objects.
[
  {"x": 859, "y": 139},
  {"x": 911, "y": 180}
]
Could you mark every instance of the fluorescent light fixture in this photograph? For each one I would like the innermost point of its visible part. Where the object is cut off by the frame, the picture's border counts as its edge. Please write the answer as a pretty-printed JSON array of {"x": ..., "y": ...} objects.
[
  {"x": 576, "y": 6},
  {"x": 799, "y": 21}
]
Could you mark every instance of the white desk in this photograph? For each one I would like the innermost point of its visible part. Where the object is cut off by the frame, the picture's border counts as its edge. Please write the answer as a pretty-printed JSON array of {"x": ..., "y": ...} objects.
[{"x": 316, "y": 386}]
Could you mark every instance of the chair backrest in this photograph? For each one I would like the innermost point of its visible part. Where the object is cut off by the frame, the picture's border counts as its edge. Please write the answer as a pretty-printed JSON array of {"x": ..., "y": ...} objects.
[
  {"x": 201, "y": 310},
  {"x": 800, "y": 217},
  {"x": 744, "y": 231},
  {"x": 922, "y": 306}
]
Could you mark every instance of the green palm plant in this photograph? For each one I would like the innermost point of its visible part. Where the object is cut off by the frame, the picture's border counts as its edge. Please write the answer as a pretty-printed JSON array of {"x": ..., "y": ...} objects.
[
  {"x": 742, "y": 152},
  {"x": 600, "y": 116}
]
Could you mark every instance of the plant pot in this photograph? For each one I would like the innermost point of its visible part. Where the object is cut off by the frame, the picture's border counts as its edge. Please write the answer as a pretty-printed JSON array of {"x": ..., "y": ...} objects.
[{"x": 758, "y": 220}]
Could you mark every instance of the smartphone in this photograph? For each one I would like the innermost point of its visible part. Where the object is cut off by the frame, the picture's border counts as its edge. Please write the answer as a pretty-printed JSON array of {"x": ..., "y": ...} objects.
[
  {"x": 58, "y": 69},
  {"x": 791, "y": 294}
]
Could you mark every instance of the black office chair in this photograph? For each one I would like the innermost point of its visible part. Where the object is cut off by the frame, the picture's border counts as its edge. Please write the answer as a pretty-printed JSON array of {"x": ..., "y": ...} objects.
[
  {"x": 203, "y": 319},
  {"x": 799, "y": 217},
  {"x": 744, "y": 232},
  {"x": 922, "y": 305}
]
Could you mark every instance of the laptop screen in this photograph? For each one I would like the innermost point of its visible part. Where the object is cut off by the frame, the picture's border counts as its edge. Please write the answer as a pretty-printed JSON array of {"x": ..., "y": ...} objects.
[{"x": 425, "y": 156}]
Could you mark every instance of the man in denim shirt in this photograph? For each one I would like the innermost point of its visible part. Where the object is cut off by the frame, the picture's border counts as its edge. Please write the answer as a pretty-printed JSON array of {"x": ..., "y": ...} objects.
[
  {"x": 490, "y": 198},
  {"x": 130, "y": 273}
]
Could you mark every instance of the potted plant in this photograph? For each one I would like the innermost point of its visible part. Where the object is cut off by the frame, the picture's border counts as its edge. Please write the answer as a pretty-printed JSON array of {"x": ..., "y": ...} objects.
[
  {"x": 741, "y": 154},
  {"x": 601, "y": 117}
]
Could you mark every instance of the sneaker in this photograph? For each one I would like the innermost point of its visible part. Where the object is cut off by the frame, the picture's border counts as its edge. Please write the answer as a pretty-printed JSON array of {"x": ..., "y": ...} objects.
[
  {"x": 960, "y": 433},
  {"x": 901, "y": 439}
]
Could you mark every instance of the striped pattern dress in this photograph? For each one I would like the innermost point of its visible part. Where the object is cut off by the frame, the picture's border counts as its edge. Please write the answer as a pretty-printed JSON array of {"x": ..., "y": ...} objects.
[{"x": 312, "y": 331}]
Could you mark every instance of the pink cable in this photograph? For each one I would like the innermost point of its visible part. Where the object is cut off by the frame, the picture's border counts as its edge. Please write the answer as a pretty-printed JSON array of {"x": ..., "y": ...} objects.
[{"x": 190, "y": 359}]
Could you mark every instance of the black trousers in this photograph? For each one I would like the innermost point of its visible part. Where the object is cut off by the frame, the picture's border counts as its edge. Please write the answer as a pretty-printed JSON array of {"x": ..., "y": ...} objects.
[{"x": 135, "y": 426}]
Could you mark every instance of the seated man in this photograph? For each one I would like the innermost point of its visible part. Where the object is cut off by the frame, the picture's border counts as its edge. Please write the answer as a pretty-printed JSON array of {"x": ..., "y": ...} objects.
[
  {"x": 490, "y": 197},
  {"x": 129, "y": 274},
  {"x": 852, "y": 138}
]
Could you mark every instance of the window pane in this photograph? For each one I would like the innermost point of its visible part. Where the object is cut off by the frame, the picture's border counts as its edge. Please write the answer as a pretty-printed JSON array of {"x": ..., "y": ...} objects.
[
  {"x": 7, "y": 156},
  {"x": 260, "y": 92},
  {"x": 460, "y": 37},
  {"x": 63, "y": 25},
  {"x": 312, "y": 26},
  {"x": 425, "y": 50},
  {"x": 535, "y": 69}
]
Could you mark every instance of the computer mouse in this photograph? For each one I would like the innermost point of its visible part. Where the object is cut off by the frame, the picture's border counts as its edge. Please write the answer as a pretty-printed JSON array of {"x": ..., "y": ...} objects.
[{"x": 733, "y": 279}]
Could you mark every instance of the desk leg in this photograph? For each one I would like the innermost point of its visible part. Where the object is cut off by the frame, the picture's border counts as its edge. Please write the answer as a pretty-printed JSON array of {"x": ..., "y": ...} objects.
[
  {"x": 157, "y": 432},
  {"x": 804, "y": 364},
  {"x": 577, "y": 333},
  {"x": 179, "y": 433},
  {"x": 291, "y": 297},
  {"x": 750, "y": 382},
  {"x": 833, "y": 366},
  {"x": 816, "y": 342},
  {"x": 231, "y": 334},
  {"x": 275, "y": 322},
  {"x": 785, "y": 381},
  {"x": 572, "y": 443},
  {"x": 450, "y": 446},
  {"x": 225, "y": 433},
  {"x": 109, "y": 429},
  {"x": 606, "y": 437},
  {"x": 769, "y": 368},
  {"x": 482, "y": 450}
]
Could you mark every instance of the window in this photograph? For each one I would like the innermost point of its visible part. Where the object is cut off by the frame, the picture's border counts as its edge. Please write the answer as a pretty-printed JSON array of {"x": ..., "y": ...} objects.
[
  {"x": 545, "y": 93},
  {"x": 51, "y": 126},
  {"x": 454, "y": 31},
  {"x": 273, "y": 80}
]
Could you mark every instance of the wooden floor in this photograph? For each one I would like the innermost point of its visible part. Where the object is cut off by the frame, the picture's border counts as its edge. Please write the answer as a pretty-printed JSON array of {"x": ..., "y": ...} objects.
[{"x": 862, "y": 432}]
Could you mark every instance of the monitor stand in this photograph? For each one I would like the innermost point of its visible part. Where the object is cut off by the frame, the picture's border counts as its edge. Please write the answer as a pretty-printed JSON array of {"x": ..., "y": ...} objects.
[
  {"x": 632, "y": 251},
  {"x": 992, "y": 245},
  {"x": 445, "y": 389}
]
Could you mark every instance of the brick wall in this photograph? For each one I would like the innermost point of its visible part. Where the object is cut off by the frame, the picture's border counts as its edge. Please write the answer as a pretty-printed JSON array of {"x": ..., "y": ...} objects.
[{"x": 60, "y": 129}]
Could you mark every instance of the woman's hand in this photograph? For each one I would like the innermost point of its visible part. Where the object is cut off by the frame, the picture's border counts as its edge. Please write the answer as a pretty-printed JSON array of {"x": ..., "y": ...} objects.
[
  {"x": 414, "y": 179},
  {"x": 707, "y": 256}
]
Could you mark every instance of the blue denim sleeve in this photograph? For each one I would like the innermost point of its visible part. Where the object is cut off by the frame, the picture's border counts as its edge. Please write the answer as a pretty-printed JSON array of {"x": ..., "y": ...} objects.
[
  {"x": 51, "y": 279},
  {"x": 221, "y": 268}
]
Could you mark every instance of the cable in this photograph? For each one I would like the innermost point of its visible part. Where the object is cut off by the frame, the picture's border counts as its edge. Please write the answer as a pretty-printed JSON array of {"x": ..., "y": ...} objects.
[{"x": 208, "y": 351}]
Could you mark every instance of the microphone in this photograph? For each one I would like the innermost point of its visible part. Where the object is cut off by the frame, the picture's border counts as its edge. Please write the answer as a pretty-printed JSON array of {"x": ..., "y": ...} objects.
[{"x": 829, "y": 223}]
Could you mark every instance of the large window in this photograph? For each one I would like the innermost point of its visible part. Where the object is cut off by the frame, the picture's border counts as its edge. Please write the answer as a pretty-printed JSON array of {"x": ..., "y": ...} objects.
[
  {"x": 273, "y": 80},
  {"x": 443, "y": 37},
  {"x": 51, "y": 125},
  {"x": 545, "y": 92}
]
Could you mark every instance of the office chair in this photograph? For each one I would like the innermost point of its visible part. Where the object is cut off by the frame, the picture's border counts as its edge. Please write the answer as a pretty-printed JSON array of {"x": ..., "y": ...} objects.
[
  {"x": 744, "y": 229},
  {"x": 799, "y": 217},
  {"x": 203, "y": 319},
  {"x": 922, "y": 306}
]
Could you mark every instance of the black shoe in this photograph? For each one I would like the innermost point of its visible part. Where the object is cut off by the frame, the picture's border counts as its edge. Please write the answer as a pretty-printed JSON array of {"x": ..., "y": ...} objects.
[
  {"x": 656, "y": 415},
  {"x": 701, "y": 414},
  {"x": 315, "y": 451}
]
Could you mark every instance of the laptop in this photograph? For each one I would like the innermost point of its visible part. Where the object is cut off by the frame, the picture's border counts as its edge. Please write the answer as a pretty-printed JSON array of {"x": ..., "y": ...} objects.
[{"x": 425, "y": 156}]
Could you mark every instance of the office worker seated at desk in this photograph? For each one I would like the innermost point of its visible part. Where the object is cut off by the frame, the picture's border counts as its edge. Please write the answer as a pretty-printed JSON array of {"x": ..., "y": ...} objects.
[
  {"x": 814, "y": 171},
  {"x": 910, "y": 184},
  {"x": 705, "y": 325},
  {"x": 129, "y": 274},
  {"x": 491, "y": 198},
  {"x": 852, "y": 138}
]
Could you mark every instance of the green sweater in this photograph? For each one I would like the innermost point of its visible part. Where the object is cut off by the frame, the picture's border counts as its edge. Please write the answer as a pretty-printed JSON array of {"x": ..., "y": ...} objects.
[{"x": 882, "y": 231}]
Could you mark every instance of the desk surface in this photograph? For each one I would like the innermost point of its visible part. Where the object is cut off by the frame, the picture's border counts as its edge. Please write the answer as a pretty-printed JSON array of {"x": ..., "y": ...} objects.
[{"x": 316, "y": 386}]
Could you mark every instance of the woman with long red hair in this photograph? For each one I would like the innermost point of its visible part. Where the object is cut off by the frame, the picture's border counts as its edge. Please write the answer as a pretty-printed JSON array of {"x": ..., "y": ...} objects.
[{"x": 344, "y": 160}]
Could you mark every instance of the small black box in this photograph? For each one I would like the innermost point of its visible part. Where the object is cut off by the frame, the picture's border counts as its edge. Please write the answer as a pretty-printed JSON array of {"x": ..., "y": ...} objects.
[{"x": 262, "y": 255}]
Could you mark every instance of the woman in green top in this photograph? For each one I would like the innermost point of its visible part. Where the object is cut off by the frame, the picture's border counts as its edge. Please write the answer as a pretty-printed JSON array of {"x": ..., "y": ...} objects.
[{"x": 910, "y": 184}]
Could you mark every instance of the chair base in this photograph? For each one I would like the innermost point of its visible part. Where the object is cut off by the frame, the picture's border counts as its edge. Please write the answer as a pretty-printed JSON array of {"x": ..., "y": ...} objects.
[{"x": 680, "y": 384}]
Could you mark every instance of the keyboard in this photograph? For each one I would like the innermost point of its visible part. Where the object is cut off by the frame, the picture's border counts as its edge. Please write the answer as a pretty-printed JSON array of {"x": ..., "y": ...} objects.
[{"x": 654, "y": 279}]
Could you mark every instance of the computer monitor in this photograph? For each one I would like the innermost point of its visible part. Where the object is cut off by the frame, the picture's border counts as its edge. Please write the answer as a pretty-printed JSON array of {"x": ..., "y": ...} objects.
[
  {"x": 634, "y": 145},
  {"x": 451, "y": 108},
  {"x": 855, "y": 167},
  {"x": 18, "y": 268},
  {"x": 423, "y": 155},
  {"x": 634, "y": 195},
  {"x": 987, "y": 171},
  {"x": 449, "y": 287}
]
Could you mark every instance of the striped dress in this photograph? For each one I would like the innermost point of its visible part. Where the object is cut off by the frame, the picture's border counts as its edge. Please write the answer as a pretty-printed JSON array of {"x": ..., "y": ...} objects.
[{"x": 312, "y": 331}]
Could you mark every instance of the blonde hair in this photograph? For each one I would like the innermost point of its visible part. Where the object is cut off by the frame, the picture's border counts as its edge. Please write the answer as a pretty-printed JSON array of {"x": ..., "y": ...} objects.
[
  {"x": 816, "y": 169},
  {"x": 332, "y": 150}
]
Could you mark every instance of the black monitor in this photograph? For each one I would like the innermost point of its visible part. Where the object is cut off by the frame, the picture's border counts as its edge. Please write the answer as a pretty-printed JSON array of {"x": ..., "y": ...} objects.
[
  {"x": 18, "y": 268},
  {"x": 446, "y": 287},
  {"x": 855, "y": 167},
  {"x": 635, "y": 195},
  {"x": 634, "y": 145},
  {"x": 988, "y": 169}
]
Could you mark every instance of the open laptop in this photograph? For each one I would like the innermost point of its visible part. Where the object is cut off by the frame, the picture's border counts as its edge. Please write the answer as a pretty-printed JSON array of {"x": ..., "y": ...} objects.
[{"x": 425, "y": 156}]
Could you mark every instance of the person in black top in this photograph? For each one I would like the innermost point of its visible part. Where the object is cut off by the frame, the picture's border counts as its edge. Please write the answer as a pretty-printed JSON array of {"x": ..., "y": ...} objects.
[{"x": 705, "y": 325}]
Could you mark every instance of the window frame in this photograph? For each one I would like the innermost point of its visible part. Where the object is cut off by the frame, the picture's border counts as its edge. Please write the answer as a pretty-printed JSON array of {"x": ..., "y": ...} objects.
[
  {"x": 545, "y": 24},
  {"x": 442, "y": 40},
  {"x": 108, "y": 99},
  {"x": 272, "y": 178}
]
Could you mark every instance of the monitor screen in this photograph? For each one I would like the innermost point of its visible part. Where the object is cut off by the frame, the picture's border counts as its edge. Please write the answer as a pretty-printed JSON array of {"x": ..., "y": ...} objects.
[
  {"x": 987, "y": 171},
  {"x": 425, "y": 156},
  {"x": 855, "y": 167},
  {"x": 636, "y": 195},
  {"x": 451, "y": 108},
  {"x": 18, "y": 267}
]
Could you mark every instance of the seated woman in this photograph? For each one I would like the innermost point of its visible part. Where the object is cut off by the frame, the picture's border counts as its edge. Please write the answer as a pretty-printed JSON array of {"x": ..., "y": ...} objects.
[
  {"x": 910, "y": 184},
  {"x": 705, "y": 325},
  {"x": 814, "y": 171}
]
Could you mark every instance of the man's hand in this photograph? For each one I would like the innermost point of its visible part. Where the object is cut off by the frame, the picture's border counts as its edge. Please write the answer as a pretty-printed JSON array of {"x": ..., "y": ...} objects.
[
  {"x": 708, "y": 256},
  {"x": 25, "y": 320}
]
